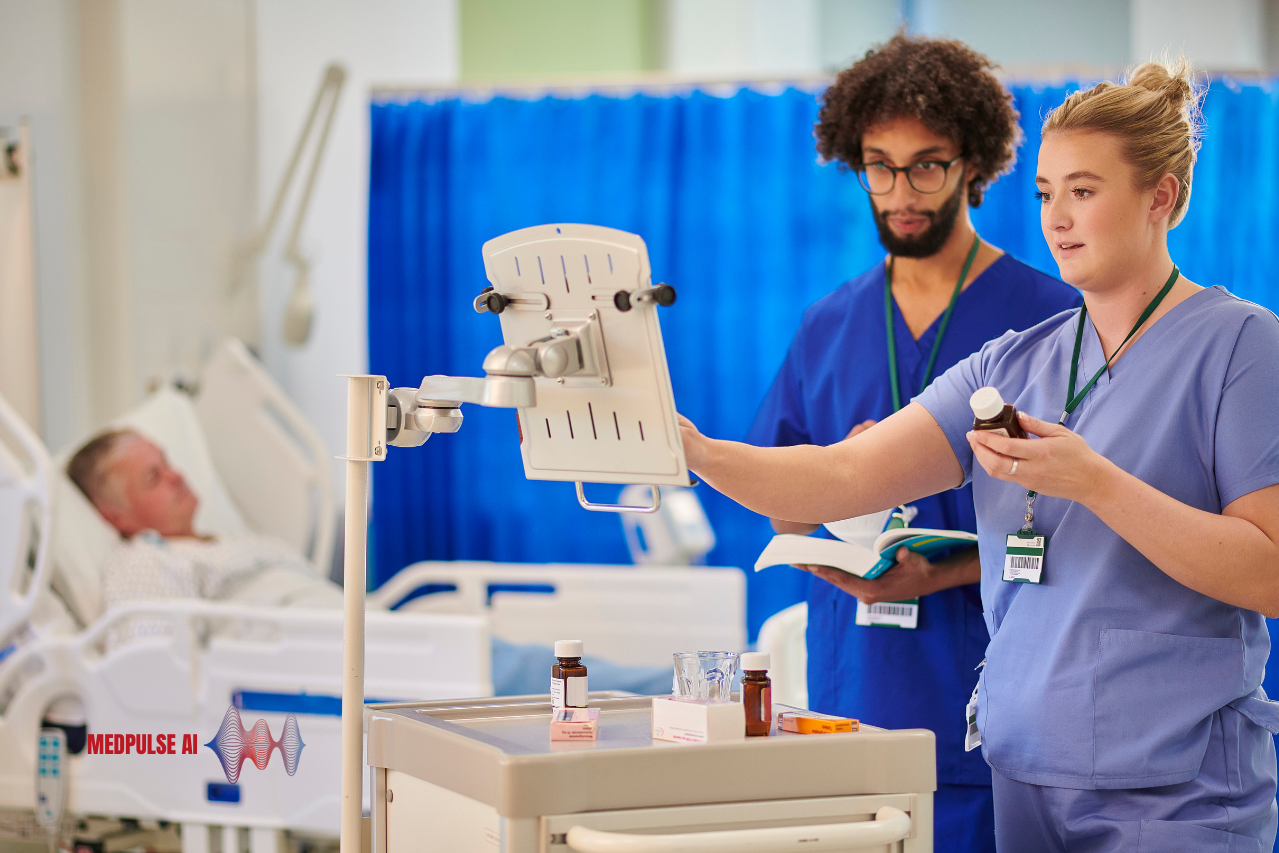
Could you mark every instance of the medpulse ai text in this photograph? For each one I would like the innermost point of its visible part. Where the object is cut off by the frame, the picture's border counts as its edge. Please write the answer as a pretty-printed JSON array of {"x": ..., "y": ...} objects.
[{"x": 141, "y": 744}]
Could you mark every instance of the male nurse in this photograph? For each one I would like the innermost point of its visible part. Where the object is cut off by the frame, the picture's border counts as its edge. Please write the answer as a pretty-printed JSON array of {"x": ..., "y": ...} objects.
[{"x": 926, "y": 127}]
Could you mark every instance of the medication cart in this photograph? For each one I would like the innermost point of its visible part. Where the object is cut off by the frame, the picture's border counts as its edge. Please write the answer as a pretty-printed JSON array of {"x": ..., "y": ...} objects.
[{"x": 482, "y": 776}]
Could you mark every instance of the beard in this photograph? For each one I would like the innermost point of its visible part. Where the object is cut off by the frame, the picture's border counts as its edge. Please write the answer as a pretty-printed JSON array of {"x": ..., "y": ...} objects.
[{"x": 941, "y": 222}]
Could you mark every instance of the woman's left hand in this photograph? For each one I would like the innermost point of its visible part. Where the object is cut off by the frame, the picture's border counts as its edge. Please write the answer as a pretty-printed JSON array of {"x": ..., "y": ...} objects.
[{"x": 1058, "y": 463}]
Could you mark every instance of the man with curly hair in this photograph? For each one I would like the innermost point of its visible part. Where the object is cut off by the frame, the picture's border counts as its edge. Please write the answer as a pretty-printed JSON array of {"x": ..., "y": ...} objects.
[{"x": 927, "y": 128}]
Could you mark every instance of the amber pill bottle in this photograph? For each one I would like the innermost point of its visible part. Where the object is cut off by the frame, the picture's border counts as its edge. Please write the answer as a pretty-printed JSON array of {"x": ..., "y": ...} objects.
[
  {"x": 757, "y": 693},
  {"x": 992, "y": 413},
  {"x": 568, "y": 676}
]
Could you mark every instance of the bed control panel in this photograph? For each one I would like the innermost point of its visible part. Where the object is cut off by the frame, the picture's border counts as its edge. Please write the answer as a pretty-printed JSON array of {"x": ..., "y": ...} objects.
[{"x": 51, "y": 779}]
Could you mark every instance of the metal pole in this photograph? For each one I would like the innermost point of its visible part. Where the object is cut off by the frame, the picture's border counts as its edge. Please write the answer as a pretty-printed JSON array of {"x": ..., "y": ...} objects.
[
  {"x": 353, "y": 583},
  {"x": 365, "y": 443}
]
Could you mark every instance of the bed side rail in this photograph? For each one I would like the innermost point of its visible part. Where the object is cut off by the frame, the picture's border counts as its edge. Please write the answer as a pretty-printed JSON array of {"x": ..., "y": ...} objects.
[
  {"x": 274, "y": 464},
  {"x": 25, "y": 519}
]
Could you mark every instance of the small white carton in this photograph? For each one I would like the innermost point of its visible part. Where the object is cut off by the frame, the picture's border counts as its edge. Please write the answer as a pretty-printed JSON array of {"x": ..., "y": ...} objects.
[
  {"x": 686, "y": 720},
  {"x": 575, "y": 724}
]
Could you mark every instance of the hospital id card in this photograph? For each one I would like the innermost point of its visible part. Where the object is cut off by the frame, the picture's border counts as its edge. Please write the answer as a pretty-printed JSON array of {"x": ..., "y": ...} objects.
[
  {"x": 972, "y": 736},
  {"x": 1024, "y": 557},
  {"x": 888, "y": 614}
]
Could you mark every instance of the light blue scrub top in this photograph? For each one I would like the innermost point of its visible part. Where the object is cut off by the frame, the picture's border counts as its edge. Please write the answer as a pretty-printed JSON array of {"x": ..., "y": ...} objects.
[{"x": 1107, "y": 675}]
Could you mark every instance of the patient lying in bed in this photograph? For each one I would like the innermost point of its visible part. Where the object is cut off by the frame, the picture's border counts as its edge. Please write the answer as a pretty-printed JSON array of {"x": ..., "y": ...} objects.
[{"x": 162, "y": 556}]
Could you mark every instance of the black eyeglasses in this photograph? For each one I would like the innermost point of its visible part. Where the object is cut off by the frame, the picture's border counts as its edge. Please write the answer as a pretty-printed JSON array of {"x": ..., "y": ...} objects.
[{"x": 926, "y": 176}]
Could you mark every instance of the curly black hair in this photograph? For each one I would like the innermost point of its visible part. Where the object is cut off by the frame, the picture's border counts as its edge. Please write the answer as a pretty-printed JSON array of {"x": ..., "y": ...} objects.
[{"x": 945, "y": 84}]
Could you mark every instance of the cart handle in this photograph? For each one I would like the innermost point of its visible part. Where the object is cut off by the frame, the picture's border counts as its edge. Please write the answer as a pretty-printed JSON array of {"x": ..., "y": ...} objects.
[{"x": 889, "y": 825}]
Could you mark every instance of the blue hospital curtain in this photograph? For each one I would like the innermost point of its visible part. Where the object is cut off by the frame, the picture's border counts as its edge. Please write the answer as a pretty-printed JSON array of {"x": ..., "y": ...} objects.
[{"x": 740, "y": 217}]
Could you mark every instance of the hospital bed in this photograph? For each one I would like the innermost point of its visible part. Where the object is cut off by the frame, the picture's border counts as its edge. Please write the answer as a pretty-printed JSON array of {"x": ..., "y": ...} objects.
[{"x": 258, "y": 466}]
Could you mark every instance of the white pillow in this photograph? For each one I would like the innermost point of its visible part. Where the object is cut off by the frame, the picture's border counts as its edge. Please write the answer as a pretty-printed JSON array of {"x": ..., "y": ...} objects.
[{"x": 82, "y": 538}]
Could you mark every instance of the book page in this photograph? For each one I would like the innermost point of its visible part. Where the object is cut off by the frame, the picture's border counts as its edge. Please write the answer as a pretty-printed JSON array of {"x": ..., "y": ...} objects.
[{"x": 788, "y": 549}]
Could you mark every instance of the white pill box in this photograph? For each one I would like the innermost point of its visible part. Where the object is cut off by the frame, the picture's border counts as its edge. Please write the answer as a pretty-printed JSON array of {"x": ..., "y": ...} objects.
[{"x": 683, "y": 720}]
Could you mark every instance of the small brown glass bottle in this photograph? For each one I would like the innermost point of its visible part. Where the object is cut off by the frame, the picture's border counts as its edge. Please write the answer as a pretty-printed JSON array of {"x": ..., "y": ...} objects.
[
  {"x": 757, "y": 693},
  {"x": 993, "y": 414},
  {"x": 568, "y": 676}
]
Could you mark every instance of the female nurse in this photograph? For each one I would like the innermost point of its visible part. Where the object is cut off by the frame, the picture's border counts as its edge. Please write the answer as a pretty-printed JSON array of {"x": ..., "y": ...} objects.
[{"x": 1120, "y": 705}]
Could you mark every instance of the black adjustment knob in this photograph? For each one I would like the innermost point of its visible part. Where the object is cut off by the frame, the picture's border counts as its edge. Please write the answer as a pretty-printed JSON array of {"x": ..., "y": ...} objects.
[
  {"x": 664, "y": 294},
  {"x": 622, "y": 300},
  {"x": 496, "y": 302}
]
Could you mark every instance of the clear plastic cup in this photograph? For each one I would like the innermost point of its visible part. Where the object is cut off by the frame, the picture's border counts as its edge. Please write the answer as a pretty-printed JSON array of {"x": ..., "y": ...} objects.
[{"x": 705, "y": 675}]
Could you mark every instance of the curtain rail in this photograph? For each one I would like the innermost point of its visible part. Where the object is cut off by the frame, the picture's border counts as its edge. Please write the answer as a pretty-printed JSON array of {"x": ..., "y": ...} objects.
[
  {"x": 660, "y": 83},
  {"x": 570, "y": 86}
]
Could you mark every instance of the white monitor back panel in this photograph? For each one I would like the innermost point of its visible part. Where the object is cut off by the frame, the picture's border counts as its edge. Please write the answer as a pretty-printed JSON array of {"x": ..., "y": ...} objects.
[{"x": 621, "y": 428}]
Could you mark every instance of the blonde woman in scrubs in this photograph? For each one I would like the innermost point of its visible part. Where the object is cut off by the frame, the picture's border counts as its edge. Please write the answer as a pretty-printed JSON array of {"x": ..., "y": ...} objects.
[{"x": 1120, "y": 707}]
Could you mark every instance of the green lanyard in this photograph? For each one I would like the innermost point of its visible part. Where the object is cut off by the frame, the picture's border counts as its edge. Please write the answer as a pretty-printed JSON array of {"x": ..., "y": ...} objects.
[
  {"x": 1072, "y": 399},
  {"x": 945, "y": 320}
]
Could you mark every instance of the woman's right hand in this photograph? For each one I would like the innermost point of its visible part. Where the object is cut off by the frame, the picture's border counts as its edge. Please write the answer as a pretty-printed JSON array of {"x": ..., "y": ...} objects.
[{"x": 695, "y": 444}]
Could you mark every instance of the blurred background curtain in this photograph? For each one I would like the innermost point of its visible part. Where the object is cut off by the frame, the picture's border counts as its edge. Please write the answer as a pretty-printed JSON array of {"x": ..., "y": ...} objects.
[{"x": 740, "y": 217}]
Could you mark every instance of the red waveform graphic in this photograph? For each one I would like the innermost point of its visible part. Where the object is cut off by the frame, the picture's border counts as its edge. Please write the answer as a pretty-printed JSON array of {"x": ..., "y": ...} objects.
[{"x": 233, "y": 745}]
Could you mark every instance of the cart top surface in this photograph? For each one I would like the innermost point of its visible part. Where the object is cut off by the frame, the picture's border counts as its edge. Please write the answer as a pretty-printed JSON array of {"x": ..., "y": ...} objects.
[{"x": 499, "y": 751}]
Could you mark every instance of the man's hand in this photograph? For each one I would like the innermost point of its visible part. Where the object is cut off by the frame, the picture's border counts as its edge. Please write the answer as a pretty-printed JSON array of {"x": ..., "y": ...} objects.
[
  {"x": 859, "y": 429},
  {"x": 911, "y": 576},
  {"x": 782, "y": 526}
]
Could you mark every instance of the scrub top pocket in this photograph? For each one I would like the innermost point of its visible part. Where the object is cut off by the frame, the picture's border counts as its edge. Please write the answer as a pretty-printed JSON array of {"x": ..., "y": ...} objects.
[{"x": 1153, "y": 698}]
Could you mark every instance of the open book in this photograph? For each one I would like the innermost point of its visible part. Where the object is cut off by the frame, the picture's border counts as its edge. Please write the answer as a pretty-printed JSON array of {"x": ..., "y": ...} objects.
[{"x": 788, "y": 549}]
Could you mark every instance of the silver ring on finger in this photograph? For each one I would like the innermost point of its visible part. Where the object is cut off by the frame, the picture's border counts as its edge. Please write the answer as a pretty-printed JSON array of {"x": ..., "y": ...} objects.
[{"x": 1013, "y": 470}]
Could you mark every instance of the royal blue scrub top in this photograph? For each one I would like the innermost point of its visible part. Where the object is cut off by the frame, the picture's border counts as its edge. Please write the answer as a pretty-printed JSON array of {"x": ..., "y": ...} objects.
[
  {"x": 1109, "y": 673},
  {"x": 836, "y": 376}
]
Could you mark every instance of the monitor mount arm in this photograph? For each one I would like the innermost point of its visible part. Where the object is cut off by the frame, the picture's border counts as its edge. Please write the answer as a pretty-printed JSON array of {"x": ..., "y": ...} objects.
[{"x": 558, "y": 351}]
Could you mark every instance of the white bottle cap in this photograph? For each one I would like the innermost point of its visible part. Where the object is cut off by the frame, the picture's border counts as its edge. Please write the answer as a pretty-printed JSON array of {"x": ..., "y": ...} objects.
[
  {"x": 568, "y": 648},
  {"x": 986, "y": 403},
  {"x": 754, "y": 661}
]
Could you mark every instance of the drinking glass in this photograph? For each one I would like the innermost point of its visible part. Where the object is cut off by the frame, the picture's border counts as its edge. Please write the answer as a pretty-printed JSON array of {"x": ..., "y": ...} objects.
[{"x": 705, "y": 675}]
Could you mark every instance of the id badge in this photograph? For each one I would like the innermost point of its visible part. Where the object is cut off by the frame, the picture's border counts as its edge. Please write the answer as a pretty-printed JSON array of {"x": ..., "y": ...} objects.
[
  {"x": 1024, "y": 557},
  {"x": 888, "y": 614},
  {"x": 972, "y": 739}
]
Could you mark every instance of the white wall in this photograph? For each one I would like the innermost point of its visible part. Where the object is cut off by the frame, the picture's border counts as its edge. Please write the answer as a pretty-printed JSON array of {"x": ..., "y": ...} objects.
[
  {"x": 187, "y": 178},
  {"x": 165, "y": 115},
  {"x": 383, "y": 41},
  {"x": 188, "y": 163},
  {"x": 1020, "y": 33},
  {"x": 748, "y": 37},
  {"x": 754, "y": 37},
  {"x": 39, "y": 82},
  {"x": 1223, "y": 35},
  {"x": 849, "y": 28}
]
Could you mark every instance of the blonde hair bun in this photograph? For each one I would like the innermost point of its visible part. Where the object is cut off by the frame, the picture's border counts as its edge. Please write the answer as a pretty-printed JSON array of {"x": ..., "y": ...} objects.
[{"x": 1175, "y": 82}]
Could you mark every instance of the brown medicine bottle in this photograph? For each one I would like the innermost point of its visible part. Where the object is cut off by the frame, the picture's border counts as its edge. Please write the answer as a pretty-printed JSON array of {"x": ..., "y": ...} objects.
[
  {"x": 757, "y": 693},
  {"x": 568, "y": 676},
  {"x": 991, "y": 413}
]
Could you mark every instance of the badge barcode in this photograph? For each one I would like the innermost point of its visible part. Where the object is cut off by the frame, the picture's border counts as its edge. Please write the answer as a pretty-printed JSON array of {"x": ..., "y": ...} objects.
[
  {"x": 890, "y": 609},
  {"x": 1016, "y": 561}
]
